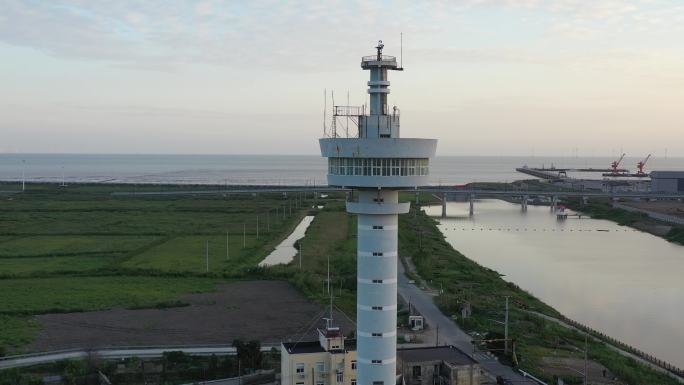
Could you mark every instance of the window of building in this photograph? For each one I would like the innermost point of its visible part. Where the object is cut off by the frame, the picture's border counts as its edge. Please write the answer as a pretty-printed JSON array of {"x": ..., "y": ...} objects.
[
  {"x": 354, "y": 366},
  {"x": 320, "y": 382},
  {"x": 320, "y": 367},
  {"x": 378, "y": 382},
  {"x": 378, "y": 200},
  {"x": 378, "y": 166},
  {"x": 377, "y": 281},
  {"x": 353, "y": 381},
  {"x": 340, "y": 377},
  {"x": 416, "y": 371},
  {"x": 377, "y": 308},
  {"x": 300, "y": 383},
  {"x": 377, "y": 334},
  {"x": 376, "y": 361},
  {"x": 378, "y": 227},
  {"x": 300, "y": 369},
  {"x": 377, "y": 254}
]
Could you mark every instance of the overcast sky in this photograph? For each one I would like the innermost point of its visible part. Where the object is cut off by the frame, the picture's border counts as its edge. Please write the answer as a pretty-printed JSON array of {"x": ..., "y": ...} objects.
[{"x": 489, "y": 77}]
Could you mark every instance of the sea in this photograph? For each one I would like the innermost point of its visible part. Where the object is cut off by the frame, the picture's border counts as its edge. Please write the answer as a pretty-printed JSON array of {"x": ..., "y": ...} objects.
[{"x": 275, "y": 169}]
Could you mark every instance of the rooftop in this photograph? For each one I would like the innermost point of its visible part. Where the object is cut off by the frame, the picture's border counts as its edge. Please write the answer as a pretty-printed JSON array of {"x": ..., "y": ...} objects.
[
  {"x": 448, "y": 354},
  {"x": 314, "y": 347}
]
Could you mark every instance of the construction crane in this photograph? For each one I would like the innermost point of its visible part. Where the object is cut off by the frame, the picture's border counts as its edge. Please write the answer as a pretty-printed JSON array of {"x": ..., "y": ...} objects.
[
  {"x": 641, "y": 165},
  {"x": 616, "y": 164}
]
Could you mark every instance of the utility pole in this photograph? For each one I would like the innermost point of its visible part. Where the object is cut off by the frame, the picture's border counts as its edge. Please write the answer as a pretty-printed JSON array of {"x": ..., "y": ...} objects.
[
  {"x": 506, "y": 328},
  {"x": 329, "y": 276},
  {"x": 23, "y": 175},
  {"x": 244, "y": 235},
  {"x": 268, "y": 221},
  {"x": 227, "y": 248},
  {"x": 586, "y": 374},
  {"x": 257, "y": 229},
  {"x": 301, "y": 247},
  {"x": 206, "y": 254},
  {"x": 437, "y": 336}
]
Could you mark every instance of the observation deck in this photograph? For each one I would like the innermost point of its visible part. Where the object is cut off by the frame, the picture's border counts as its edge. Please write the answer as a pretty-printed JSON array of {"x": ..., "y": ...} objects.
[{"x": 390, "y": 62}]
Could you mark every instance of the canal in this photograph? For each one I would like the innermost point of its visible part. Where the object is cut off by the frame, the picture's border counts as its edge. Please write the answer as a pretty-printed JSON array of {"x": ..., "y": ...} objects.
[{"x": 623, "y": 282}]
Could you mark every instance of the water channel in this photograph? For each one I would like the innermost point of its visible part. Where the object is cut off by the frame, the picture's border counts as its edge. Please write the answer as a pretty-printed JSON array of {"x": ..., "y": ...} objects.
[
  {"x": 285, "y": 251},
  {"x": 623, "y": 282}
]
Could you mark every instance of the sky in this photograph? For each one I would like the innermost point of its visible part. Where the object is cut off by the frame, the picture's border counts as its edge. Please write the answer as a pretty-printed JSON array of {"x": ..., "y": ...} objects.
[{"x": 485, "y": 77}]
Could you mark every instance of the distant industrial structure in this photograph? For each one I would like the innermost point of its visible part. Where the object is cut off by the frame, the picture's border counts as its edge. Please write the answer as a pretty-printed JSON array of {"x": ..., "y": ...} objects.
[
  {"x": 667, "y": 181},
  {"x": 377, "y": 163}
]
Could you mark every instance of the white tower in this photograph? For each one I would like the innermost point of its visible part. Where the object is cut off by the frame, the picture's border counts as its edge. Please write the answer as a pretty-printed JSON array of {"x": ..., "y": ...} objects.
[{"x": 377, "y": 163}]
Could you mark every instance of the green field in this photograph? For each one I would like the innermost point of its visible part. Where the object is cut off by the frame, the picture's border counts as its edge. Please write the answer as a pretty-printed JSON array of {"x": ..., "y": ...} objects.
[{"x": 81, "y": 248}]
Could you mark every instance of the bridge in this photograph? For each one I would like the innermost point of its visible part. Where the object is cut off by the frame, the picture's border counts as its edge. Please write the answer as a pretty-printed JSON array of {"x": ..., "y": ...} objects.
[{"x": 440, "y": 192}]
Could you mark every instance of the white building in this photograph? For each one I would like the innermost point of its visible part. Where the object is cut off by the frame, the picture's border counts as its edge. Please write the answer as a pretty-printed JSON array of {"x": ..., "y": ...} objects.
[
  {"x": 329, "y": 361},
  {"x": 377, "y": 163}
]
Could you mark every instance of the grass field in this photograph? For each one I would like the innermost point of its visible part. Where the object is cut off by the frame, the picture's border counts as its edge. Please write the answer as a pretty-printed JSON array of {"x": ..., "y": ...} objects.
[{"x": 80, "y": 248}]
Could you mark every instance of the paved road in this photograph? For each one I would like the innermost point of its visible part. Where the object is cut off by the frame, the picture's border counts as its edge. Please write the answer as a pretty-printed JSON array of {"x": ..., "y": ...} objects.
[
  {"x": 449, "y": 333},
  {"x": 114, "y": 353}
]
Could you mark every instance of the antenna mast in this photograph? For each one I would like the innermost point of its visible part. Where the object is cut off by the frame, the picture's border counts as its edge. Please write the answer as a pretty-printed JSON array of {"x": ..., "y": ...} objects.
[
  {"x": 325, "y": 107},
  {"x": 401, "y": 50}
]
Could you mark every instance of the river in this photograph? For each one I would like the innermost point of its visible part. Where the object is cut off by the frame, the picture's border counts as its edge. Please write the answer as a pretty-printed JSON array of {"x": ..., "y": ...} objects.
[{"x": 623, "y": 282}]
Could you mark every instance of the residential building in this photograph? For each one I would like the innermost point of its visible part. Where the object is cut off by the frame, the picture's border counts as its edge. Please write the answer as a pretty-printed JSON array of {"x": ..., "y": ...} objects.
[{"x": 440, "y": 365}]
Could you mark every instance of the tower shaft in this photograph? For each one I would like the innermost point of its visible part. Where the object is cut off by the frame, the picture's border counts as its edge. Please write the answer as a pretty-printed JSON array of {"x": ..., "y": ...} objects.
[{"x": 378, "y": 164}]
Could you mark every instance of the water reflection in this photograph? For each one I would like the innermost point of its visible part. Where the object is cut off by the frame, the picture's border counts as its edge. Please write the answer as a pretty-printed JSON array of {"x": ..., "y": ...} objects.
[
  {"x": 285, "y": 251},
  {"x": 614, "y": 279}
]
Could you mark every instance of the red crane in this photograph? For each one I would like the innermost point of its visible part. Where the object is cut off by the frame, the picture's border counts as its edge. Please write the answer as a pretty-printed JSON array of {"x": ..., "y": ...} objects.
[
  {"x": 641, "y": 165},
  {"x": 616, "y": 164}
]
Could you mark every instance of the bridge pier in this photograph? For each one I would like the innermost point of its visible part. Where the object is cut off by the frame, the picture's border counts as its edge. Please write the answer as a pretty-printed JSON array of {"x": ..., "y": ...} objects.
[
  {"x": 444, "y": 204},
  {"x": 554, "y": 203},
  {"x": 472, "y": 204},
  {"x": 523, "y": 203}
]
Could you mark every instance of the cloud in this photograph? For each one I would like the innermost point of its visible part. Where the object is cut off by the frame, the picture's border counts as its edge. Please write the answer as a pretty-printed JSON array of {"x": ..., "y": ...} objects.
[{"x": 295, "y": 35}]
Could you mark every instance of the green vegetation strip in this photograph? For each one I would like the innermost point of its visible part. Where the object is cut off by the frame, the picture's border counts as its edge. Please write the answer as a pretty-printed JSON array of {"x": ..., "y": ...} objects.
[{"x": 602, "y": 209}]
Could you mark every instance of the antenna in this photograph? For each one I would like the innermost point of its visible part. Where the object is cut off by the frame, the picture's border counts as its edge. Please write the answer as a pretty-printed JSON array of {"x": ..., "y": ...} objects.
[
  {"x": 331, "y": 296},
  {"x": 332, "y": 96},
  {"x": 401, "y": 50},
  {"x": 325, "y": 107},
  {"x": 347, "y": 128}
]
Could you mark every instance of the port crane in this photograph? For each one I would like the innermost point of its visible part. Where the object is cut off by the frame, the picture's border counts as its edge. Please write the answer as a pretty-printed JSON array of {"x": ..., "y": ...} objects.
[
  {"x": 641, "y": 165},
  {"x": 616, "y": 163}
]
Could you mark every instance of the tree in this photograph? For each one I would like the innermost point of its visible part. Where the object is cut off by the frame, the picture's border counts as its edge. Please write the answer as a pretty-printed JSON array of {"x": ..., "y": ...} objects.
[{"x": 249, "y": 354}]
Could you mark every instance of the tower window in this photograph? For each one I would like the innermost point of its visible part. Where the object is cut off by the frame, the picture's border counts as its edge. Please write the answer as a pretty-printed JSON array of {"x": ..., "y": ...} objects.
[
  {"x": 377, "y": 334},
  {"x": 377, "y": 307},
  {"x": 377, "y": 254},
  {"x": 378, "y": 227},
  {"x": 377, "y": 281},
  {"x": 376, "y": 362}
]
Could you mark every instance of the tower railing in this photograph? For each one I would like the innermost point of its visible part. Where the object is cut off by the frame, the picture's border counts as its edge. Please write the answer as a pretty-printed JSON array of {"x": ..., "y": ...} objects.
[
  {"x": 384, "y": 58},
  {"x": 349, "y": 110}
]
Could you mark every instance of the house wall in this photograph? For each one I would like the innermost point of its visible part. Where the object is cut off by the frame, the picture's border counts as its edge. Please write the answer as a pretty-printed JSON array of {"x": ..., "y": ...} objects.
[{"x": 311, "y": 375}]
